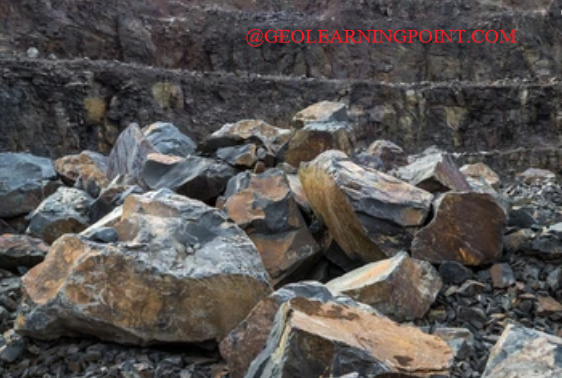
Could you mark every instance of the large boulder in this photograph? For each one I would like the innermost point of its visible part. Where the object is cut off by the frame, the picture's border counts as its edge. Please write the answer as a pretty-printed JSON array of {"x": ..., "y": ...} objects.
[
  {"x": 370, "y": 214},
  {"x": 401, "y": 287},
  {"x": 168, "y": 140},
  {"x": 264, "y": 206},
  {"x": 129, "y": 153},
  {"x": 180, "y": 272},
  {"x": 467, "y": 228},
  {"x": 324, "y": 111},
  {"x": 21, "y": 251},
  {"x": 525, "y": 353},
  {"x": 314, "y": 339},
  {"x": 86, "y": 171},
  {"x": 25, "y": 181},
  {"x": 65, "y": 211}
]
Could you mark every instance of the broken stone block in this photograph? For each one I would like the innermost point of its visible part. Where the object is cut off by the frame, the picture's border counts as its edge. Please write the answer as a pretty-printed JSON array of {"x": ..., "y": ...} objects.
[
  {"x": 520, "y": 351},
  {"x": 298, "y": 193},
  {"x": 480, "y": 172},
  {"x": 25, "y": 181},
  {"x": 401, "y": 287},
  {"x": 383, "y": 156},
  {"x": 239, "y": 156},
  {"x": 21, "y": 251},
  {"x": 546, "y": 244},
  {"x": 536, "y": 176},
  {"x": 517, "y": 240},
  {"x": 324, "y": 111},
  {"x": 263, "y": 205},
  {"x": 435, "y": 172},
  {"x": 460, "y": 340},
  {"x": 502, "y": 275},
  {"x": 467, "y": 228},
  {"x": 454, "y": 273},
  {"x": 309, "y": 142},
  {"x": 370, "y": 214},
  {"x": 173, "y": 277},
  {"x": 110, "y": 198},
  {"x": 168, "y": 140},
  {"x": 314, "y": 339},
  {"x": 65, "y": 211},
  {"x": 86, "y": 171},
  {"x": 548, "y": 306},
  {"x": 194, "y": 176},
  {"x": 129, "y": 153}
]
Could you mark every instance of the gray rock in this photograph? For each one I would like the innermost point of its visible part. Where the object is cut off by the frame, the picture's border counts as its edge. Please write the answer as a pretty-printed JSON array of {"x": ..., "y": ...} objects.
[
  {"x": 168, "y": 140},
  {"x": 129, "y": 153},
  {"x": 383, "y": 156},
  {"x": 104, "y": 235},
  {"x": 239, "y": 156},
  {"x": 20, "y": 250},
  {"x": 454, "y": 273},
  {"x": 324, "y": 111}
]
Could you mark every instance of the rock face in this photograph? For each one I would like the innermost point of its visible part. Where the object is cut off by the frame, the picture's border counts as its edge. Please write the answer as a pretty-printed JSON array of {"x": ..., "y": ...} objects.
[
  {"x": 263, "y": 205},
  {"x": 309, "y": 142},
  {"x": 467, "y": 228},
  {"x": 324, "y": 111},
  {"x": 314, "y": 339},
  {"x": 65, "y": 211},
  {"x": 525, "y": 353},
  {"x": 168, "y": 140},
  {"x": 383, "y": 156},
  {"x": 367, "y": 212},
  {"x": 172, "y": 277},
  {"x": 87, "y": 171},
  {"x": 481, "y": 172},
  {"x": 25, "y": 180},
  {"x": 401, "y": 288},
  {"x": 21, "y": 251},
  {"x": 239, "y": 156}
]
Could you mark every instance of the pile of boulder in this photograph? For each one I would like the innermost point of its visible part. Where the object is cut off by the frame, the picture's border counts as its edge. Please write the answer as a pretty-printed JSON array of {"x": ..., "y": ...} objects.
[{"x": 276, "y": 253}]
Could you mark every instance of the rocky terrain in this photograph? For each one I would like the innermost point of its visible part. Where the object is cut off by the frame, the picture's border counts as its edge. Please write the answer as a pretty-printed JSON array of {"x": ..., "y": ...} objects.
[{"x": 176, "y": 203}]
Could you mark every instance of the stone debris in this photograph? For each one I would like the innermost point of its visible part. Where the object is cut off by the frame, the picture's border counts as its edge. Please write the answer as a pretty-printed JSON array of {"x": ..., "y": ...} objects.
[
  {"x": 86, "y": 171},
  {"x": 383, "y": 156},
  {"x": 21, "y": 251},
  {"x": 324, "y": 111}
]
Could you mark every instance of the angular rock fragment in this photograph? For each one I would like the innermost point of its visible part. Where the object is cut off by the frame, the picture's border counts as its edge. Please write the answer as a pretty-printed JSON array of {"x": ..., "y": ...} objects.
[
  {"x": 65, "y": 211},
  {"x": 454, "y": 273},
  {"x": 239, "y": 156},
  {"x": 524, "y": 353},
  {"x": 174, "y": 276},
  {"x": 129, "y": 153},
  {"x": 502, "y": 275},
  {"x": 194, "y": 176},
  {"x": 298, "y": 193},
  {"x": 87, "y": 171},
  {"x": 460, "y": 340},
  {"x": 549, "y": 306},
  {"x": 370, "y": 214},
  {"x": 21, "y": 251},
  {"x": 401, "y": 287},
  {"x": 435, "y": 172},
  {"x": 546, "y": 244},
  {"x": 482, "y": 173},
  {"x": 110, "y": 198},
  {"x": 517, "y": 240},
  {"x": 324, "y": 111},
  {"x": 536, "y": 176},
  {"x": 263, "y": 205},
  {"x": 168, "y": 140},
  {"x": 467, "y": 228},
  {"x": 383, "y": 156},
  {"x": 314, "y": 339},
  {"x": 25, "y": 181},
  {"x": 309, "y": 142}
]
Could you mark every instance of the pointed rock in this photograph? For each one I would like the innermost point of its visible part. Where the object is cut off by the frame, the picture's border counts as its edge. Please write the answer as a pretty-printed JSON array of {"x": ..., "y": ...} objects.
[
  {"x": 324, "y": 111},
  {"x": 129, "y": 153},
  {"x": 168, "y": 140}
]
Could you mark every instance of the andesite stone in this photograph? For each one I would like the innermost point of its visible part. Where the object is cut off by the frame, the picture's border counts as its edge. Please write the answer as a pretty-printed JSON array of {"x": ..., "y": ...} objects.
[
  {"x": 324, "y": 111},
  {"x": 168, "y": 140}
]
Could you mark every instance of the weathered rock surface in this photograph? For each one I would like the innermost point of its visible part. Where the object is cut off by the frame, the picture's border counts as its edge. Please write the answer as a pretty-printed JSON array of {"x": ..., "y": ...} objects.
[
  {"x": 383, "y": 156},
  {"x": 467, "y": 228},
  {"x": 309, "y": 142},
  {"x": 111, "y": 197},
  {"x": 263, "y": 205},
  {"x": 239, "y": 156},
  {"x": 173, "y": 277},
  {"x": 321, "y": 112},
  {"x": 65, "y": 211},
  {"x": 367, "y": 212},
  {"x": 168, "y": 140},
  {"x": 86, "y": 171},
  {"x": 525, "y": 353},
  {"x": 481, "y": 172},
  {"x": 401, "y": 287},
  {"x": 21, "y": 251},
  {"x": 25, "y": 180},
  {"x": 312, "y": 339}
]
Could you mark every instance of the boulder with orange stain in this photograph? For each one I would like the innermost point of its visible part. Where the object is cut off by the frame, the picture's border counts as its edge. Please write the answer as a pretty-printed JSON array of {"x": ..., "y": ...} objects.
[
  {"x": 324, "y": 111},
  {"x": 86, "y": 171},
  {"x": 180, "y": 272},
  {"x": 370, "y": 214},
  {"x": 265, "y": 207},
  {"x": 401, "y": 287},
  {"x": 467, "y": 228},
  {"x": 480, "y": 172},
  {"x": 314, "y": 339}
]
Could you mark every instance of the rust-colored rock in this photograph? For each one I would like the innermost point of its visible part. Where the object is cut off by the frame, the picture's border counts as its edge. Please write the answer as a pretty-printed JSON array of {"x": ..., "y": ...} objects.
[
  {"x": 309, "y": 142},
  {"x": 324, "y": 111},
  {"x": 502, "y": 275},
  {"x": 467, "y": 228},
  {"x": 481, "y": 172},
  {"x": 264, "y": 206},
  {"x": 239, "y": 156},
  {"x": 179, "y": 273},
  {"x": 86, "y": 171},
  {"x": 314, "y": 339},
  {"x": 21, "y": 251},
  {"x": 401, "y": 287},
  {"x": 370, "y": 214}
]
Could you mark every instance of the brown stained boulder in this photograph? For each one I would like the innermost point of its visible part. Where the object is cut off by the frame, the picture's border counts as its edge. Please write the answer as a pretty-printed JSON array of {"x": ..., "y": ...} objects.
[
  {"x": 502, "y": 275},
  {"x": 368, "y": 213},
  {"x": 536, "y": 176},
  {"x": 263, "y": 205},
  {"x": 21, "y": 251},
  {"x": 247, "y": 131},
  {"x": 434, "y": 172},
  {"x": 315, "y": 339},
  {"x": 129, "y": 153},
  {"x": 324, "y": 111},
  {"x": 383, "y": 156},
  {"x": 401, "y": 287},
  {"x": 467, "y": 228},
  {"x": 193, "y": 176},
  {"x": 65, "y": 211},
  {"x": 243, "y": 157},
  {"x": 25, "y": 181},
  {"x": 168, "y": 140},
  {"x": 86, "y": 171},
  {"x": 525, "y": 353},
  {"x": 309, "y": 142},
  {"x": 481, "y": 172},
  {"x": 180, "y": 272}
]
